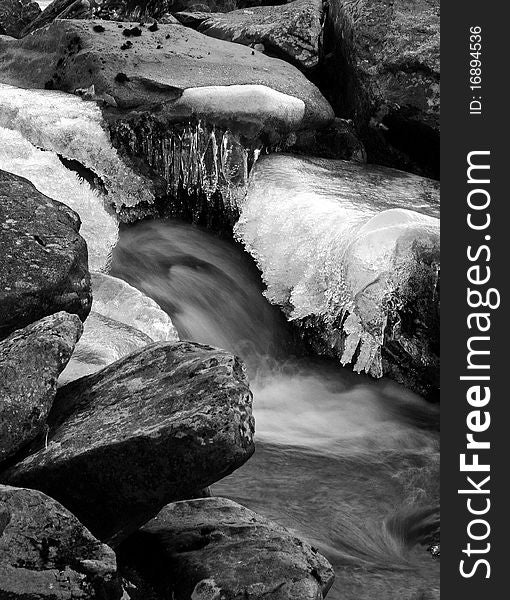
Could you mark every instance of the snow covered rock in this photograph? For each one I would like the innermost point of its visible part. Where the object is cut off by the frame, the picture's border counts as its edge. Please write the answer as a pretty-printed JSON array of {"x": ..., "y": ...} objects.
[
  {"x": 213, "y": 548},
  {"x": 47, "y": 554},
  {"x": 189, "y": 113},
  {"x": 31, "y": 360},
  {"x": 291, "y": 32},
  {"x": 351, "y": 252},
  {"x": 152, "y": 428},
  {"x": 122, "y": 320},
  {"x": 44, "y": 265}
]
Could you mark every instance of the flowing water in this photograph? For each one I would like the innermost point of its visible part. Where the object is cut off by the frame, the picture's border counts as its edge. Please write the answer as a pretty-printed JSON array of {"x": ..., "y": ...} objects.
[{"x": 348, "y": 462}]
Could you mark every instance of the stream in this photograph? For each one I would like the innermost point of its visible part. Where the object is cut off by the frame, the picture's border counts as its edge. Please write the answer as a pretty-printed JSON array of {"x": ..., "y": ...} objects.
[{"x": 349, "y": 462}]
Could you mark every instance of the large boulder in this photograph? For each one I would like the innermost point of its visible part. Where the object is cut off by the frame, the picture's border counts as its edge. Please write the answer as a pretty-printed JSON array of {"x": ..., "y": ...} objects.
[
  {"x": 292, "y": 32},
  {"x": 47, "y": 554},
  {"x": 383, "y": 71},
  {"x": 31, "y": 360},
  {"x": 213, "y": 548},
  {"x": 351, "y": 252},
  {"x": 152, "y": 428},
  {"x": 44, "y": 259},
  {"x": 16, "y": 14},
  {"x": 185, "y": 72}
]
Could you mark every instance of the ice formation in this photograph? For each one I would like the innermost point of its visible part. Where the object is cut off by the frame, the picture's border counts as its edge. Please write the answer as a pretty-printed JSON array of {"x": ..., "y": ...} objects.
[
  {"x": 103, "y": 342},
  {"x": 122, "y": 320},
  {"x": 73, "y": 128},
  {"x": 339, "y": 242},
  {"x": 116, "y": 299},
  {"x": 48, "y": 174},
  {"x": 197, "y": 158}
]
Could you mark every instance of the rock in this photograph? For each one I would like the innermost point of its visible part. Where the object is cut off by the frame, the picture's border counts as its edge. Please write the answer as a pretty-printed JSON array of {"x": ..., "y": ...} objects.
[
  {"x": 46, "y": 171},
  {"x": 291, "y": 32},
  {"x": 214, "y": 548},
  {"x": 44, "y": 259},
  {"x": 384, "y": 72},
  {"x": 351, "y": 254},
  {"x": 154, "y": 427},
  {"x": 31, "y": 360},
  {"x": 16, "y": 14},
  {"x": 103, "y": 342},
  {"x": 191, "y": 75},
  {"x": 339, "y": 140},
  {"x": 47, "y": 554},
  {"x": 59, "y": 9}
]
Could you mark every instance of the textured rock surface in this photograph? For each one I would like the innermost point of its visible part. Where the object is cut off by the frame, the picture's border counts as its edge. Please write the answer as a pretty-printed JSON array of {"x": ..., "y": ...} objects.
[
  {"x": 16, "y": 14},
  {"x": 31, "y": 360},
  {"x": 292, "y": 32},
  {"x": 44, "y": 259},
  {"x": 47, "y": 554},
  {"x": 103, "y": 342},
  {"x": 152, "y": 428},
  {"x": 213, "y": 548},
  {"x": 188, "y": 73},
  {"x": 384, "y": 69}
]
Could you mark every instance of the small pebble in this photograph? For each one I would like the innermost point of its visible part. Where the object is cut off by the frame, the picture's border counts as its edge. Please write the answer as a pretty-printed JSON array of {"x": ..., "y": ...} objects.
[
  {"x": 121, "y": 78},
  {"x": 126, "y": 45},
  {"x": 153, "y": 27},
  {"x": 98, "y": 28}
]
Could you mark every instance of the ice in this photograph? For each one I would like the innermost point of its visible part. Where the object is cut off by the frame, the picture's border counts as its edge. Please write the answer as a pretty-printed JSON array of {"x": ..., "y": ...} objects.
[
  {"x": 116, "y": 299},
  {"x": 121, "y": 321},
  {"x": 47, "y": 173},
  {"x": 69, "y": 126},
  {"x": 338, "y": 243}
]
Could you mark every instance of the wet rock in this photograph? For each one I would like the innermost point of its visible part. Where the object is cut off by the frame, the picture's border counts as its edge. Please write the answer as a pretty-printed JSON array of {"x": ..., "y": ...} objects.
[
  {"x": 153, "y": 427},
  {"x": 47, "y": 554},
  {"x": 31, "y": 360},
  {"x": 16, "y": 14},
  {"x": 383, "y": 71},
  {"x": 291, "y": 32},
  {"x": 44, "y": 259},
  {"x": 215, "y": 548},
  {"x": 351, "y": 254}
]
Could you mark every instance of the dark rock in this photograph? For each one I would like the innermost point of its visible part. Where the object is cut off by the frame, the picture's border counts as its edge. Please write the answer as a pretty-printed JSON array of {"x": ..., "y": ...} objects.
[
  {"x": 382, "y": 70},
  {"x": 122, "y": 77},
  {"x": 340, "y": 140},
  {"x": 291, "y": 32},
  {"x": 154, "y": 427},
  {"x": 31, "y": 359},
  {"x": 153, "y": 27},
  {"x": 98, "y": 28},
  {"x": 215, "y": 548},
  {"x": 59, "y": 9},
  {"x": 44, "y": 259},
  {"x": 132, "y": 32},
  {"x": 47, "y": 554},
  {"x": 16, "y": 14}
]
